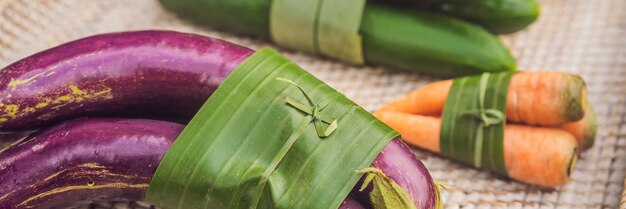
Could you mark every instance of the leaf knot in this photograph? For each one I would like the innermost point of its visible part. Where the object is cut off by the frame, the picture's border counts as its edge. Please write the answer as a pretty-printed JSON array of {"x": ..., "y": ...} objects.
[
  {"x": 314, "y": 110},
  {"x": 488, "y": 117}
]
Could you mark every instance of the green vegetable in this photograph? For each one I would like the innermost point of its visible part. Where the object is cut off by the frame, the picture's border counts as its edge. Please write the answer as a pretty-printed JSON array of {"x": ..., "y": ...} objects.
[
  {"x": 433, "y": 43},
  {"x": 472, "y": 126},
  {"x": 266, "y": 139},
  {"x": 498, "y": 16},
  {"x": 408, "y": 40},
  {"x": 246, "y": 17}
]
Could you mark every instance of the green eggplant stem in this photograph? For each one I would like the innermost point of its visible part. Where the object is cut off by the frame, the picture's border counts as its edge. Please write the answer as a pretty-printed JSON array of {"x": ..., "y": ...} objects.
[{"x": 386, "y": 193}]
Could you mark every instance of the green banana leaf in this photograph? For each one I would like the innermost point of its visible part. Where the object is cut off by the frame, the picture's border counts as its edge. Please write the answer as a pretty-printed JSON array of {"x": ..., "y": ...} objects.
[
  {"x": 473, "y": 120},
  {"x": 266, "y": 139}
]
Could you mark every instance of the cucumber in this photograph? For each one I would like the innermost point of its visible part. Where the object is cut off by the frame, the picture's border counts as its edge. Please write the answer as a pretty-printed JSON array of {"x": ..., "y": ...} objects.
[
  {"x": 403, "y": 39},
  {"x": 433, "y": 43},
  {"x": 497, "y": 16}
]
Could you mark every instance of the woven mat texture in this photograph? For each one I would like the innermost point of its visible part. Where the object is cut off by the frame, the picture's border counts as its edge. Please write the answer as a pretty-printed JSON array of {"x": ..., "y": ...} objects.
[{"x": 579, "y": 36}]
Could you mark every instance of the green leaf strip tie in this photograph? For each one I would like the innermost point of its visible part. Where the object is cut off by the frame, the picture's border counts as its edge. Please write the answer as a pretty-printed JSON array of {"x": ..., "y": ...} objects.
[
  {"x": 315, "y": 111},
  {"x": 313, "y": 115},
  {"x": 327, "y": 27},
  {"x": 473, "y": 120},
  {"x": 487, "y": 117}
]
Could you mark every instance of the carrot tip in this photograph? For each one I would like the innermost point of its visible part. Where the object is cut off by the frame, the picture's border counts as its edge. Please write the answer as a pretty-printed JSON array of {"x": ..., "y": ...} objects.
[
  {"x": 590, "y": 132},
  {"x": 590, "y": 128},
  {"x": 572, "y": 163},
  {"x": 575, "y": 99}
]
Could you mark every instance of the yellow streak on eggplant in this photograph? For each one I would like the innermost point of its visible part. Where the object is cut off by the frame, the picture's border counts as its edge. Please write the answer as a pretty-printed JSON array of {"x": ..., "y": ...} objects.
[
  {"x": 12, "y": 111},
  {"x": 54, "y": 175},
  {"x": 41, "y": 104},
  {"x": 5, "y": 196},
  {"x": 64, "y": 98},
  {"x": 103, "y": 171},
  {"x": 103, "y": 174},
  {"x": 107, "y": 93},
  {"x": 47, "y": 116},
  {"x": 29, "y": 109},
  {"x": 79, "y": 95},
  {"x": 85, "y": 165},
  {"x": 76, "y": 90},
  {"x": 79, "y": 187},
  {"x": 92, "y": 165},
  {"x": 17, "y": 82}
]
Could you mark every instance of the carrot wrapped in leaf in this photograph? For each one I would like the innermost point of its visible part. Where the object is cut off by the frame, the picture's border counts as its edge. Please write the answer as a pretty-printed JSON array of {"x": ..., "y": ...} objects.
[
  {"x": 465, "y": 119},
  {"x": 536, "y": 155},
  {"x": 545, "y": 98}
]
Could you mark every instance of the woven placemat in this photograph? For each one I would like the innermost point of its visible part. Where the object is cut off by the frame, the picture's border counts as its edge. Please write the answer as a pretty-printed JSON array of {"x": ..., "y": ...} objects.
[{"x": 580, "y": 36}]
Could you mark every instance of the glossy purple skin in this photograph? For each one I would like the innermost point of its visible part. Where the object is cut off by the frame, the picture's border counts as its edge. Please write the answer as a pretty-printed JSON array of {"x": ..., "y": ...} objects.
[
  {"x": 145, "y": 74},
  {"x": 89, "y": 160},
  {"x": 84, "y": 160},
  {"x": 399, "y": 163}
]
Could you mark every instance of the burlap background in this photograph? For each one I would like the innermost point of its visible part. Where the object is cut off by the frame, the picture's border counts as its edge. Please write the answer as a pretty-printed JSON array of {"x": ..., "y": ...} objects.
[{"x": 587, "y": 37}]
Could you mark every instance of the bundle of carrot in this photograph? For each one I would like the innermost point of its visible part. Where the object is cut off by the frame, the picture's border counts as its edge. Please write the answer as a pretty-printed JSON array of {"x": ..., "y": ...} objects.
[{"x": 547, "y": 115}]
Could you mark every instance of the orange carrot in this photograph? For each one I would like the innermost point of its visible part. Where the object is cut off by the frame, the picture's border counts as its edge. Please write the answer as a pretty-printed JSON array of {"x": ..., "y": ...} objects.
[
  {"x": 545, "y": 98},
  {"x": 584, "y": 130},
  {"x": 535, "y": 155}
]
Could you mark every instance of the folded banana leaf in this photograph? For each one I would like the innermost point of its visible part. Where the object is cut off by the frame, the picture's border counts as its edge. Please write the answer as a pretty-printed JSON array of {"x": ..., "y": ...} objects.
[
  {"x": 404, "y": 39},
  {"x": 472, "y": 127},
  {"x": 271, "y": 136}
]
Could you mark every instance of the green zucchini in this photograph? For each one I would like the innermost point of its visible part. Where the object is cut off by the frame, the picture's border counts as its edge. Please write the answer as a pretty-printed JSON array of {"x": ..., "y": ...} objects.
[
  {"x": 497, "y": 16},
  {"x": 404, "y": 39}
]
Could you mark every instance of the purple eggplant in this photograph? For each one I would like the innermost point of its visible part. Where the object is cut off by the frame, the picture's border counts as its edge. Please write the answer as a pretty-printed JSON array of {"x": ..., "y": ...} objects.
[
  {"x": 106, "y": 159},
  {"x": 148, "y": 74},
  {"x": 82, "y": 161},
  {"x": 398, "y": 162}
]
